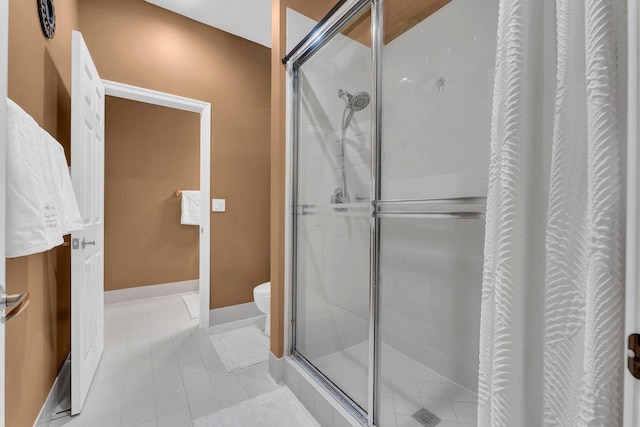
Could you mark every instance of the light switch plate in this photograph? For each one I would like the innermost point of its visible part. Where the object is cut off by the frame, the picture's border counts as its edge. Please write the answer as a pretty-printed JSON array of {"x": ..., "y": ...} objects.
[{"x": 218, "y": 205}]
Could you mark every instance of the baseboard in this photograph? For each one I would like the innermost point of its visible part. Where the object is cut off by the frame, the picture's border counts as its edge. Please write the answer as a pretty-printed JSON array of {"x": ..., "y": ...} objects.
[
  {"x": 233, "y": 313},
  {"x": 276, "y": 368},
  {"x": 58, "y": 400},
  {"x": 151, "y": 291}
]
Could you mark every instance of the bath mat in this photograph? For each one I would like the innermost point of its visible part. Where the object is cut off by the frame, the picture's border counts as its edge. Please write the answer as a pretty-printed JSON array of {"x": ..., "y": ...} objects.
[
  {"x": 241, "y": 348},
  {"x": 192, "y": 302},
  {"x": 276, "y": 408}
]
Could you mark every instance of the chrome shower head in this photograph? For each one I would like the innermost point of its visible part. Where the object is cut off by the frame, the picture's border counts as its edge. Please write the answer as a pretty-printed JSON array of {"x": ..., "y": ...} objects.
[
  {"x": 356, "y": 102},
  {"x": 359, "y": 101}
]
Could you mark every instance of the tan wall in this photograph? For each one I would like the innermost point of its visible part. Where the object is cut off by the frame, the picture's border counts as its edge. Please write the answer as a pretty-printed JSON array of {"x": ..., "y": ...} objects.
[
  {"x": 314, "y": 10},
  {"x": 39, "y": 81},
  {"x": 151, "y": 151},
  {"x": 134, "y": 42}
]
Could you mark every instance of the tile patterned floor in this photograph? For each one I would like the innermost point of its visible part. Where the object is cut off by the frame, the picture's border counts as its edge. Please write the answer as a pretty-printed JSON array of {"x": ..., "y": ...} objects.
[
  {"x": 160, "y": 370},
  {"x": 406, "y": 387}
]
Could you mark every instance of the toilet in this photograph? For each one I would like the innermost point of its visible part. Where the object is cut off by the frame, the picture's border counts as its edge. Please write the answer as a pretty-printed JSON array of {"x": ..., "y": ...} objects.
[{"x": 262, "y": 298}]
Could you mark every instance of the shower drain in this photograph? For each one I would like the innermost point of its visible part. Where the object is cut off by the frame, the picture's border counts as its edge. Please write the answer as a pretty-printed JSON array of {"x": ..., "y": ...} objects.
[{"x": 426, "y": 418}]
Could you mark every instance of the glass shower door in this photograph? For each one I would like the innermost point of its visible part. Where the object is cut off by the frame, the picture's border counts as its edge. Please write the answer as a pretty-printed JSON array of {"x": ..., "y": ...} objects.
[
  {"x": 332, "y": 209},
  {"x": 437, "y": 91}
]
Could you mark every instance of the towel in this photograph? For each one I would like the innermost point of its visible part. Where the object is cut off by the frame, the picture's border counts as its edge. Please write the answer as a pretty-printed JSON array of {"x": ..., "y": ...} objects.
[
  {"x": 36, "y": 188},
  {"x": 190, "y": 208},
  {"x": 70, "y": 217}
]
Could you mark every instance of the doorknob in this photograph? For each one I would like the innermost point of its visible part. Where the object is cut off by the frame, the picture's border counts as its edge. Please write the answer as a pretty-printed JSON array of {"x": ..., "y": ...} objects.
[
  {"x": 634, "y": 355},
  {"x": 85, "y": 243}
]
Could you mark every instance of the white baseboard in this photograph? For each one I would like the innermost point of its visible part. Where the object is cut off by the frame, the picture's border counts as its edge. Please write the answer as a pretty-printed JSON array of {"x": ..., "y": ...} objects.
[
  {"x": 59, "y": 397},
  {"x": 276, "y": 368},
  {"x": 218, "y": 316},
  {"x": 142, "y": 292}
]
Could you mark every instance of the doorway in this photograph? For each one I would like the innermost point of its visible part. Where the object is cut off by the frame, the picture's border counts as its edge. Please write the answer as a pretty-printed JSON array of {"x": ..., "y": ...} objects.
[{"x": 133, "y": 93}]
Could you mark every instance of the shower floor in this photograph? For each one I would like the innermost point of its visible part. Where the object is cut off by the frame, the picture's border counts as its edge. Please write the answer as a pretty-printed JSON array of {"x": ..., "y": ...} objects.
[{"x": 406, "y": 387}]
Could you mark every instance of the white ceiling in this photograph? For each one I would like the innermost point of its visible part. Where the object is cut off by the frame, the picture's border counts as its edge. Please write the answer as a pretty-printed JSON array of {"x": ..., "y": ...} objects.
[{"x": 249, "y": 19}]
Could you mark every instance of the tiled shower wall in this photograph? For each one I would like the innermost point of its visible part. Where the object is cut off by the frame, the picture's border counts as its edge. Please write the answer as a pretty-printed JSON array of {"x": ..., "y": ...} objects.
[
  {"x": 333, "y": 247},
  {"x": 438, "y": 82},
  {"x": 437, "y": 97}
]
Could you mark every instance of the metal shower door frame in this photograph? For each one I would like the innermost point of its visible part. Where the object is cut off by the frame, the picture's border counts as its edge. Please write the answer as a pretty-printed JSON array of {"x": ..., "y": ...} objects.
[{"x": 338, "y": 18}]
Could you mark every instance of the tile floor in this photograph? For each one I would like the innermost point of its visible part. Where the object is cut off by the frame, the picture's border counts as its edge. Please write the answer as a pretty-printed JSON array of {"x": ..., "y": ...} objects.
[
  {"x": 160, "y": 370},
  {"x": 406, "y": 387}
]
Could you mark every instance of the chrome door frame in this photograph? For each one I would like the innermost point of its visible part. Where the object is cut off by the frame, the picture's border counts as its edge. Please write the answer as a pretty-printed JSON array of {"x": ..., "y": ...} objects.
[{"x": 340, "y": 16}]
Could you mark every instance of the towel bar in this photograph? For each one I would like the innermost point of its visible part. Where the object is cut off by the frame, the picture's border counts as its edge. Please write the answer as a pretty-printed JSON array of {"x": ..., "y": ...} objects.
[{"x": 178, "y": 193}]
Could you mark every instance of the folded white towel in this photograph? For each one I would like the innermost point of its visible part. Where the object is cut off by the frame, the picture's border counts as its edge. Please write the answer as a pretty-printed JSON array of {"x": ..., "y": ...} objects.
[
  {"x": 70, "y": 217},
  {"x": 190, "y": 208},
  {"x": 35, "y": 199}
]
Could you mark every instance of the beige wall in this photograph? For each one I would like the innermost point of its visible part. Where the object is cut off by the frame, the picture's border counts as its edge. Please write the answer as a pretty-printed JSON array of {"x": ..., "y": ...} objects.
[
  {"x": 39, "y": 339},
  {"x": 315, "y": 10},
  {"x": 134, "y": 42},
  {"x": 151, "y": 151}
]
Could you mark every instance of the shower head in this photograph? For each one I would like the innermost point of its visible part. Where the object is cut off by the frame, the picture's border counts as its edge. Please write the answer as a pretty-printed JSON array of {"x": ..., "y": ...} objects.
[
  {"x": 356, "y": 102},
  {"x": 359, "y": 101}
]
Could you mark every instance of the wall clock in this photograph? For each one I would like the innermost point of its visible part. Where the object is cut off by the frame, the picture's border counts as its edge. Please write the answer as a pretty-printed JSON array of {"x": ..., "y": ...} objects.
[{"x": 47, "y": 13}]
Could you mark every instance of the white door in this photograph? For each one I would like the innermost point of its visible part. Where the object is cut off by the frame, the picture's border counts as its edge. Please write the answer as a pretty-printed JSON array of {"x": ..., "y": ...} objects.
[
  {"x": 87, "y": 254},
  {"x": 4, "y": 36}
]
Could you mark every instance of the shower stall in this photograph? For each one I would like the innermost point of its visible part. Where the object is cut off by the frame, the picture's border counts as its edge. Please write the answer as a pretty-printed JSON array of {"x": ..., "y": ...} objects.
[{"x": 390, "y": 125}]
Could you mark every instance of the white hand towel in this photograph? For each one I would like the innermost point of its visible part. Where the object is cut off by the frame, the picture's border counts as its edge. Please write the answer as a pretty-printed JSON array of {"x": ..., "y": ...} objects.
[
  {"x": 69, "y": 213},
  {"x": 190, "y": 208},
  {"x": 33, "y": 220}
]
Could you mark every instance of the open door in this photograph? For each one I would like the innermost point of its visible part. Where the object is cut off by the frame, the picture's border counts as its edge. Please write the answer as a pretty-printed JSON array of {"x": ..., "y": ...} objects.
[{"x": 87, "y": 252}]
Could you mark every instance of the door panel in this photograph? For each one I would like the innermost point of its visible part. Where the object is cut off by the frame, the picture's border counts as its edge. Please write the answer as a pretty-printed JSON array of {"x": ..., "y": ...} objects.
[{"x": 87, "y": 260}]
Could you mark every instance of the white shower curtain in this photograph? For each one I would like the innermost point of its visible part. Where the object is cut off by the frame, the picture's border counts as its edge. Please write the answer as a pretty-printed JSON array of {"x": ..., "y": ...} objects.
[{"x": 553, "y": 285}]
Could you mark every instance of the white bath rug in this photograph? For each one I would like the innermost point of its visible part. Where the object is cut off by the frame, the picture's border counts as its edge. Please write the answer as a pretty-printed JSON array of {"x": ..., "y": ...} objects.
[
  {"x": 192, "y": 302},
  {"x": 276, "y": 408},
  {"x": 242, "y": 347}
]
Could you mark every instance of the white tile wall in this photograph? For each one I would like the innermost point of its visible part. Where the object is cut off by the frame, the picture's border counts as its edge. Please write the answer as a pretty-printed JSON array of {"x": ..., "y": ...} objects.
[
  {"x": 431, "y": 273},
  {"x": 438, "y": 83}
]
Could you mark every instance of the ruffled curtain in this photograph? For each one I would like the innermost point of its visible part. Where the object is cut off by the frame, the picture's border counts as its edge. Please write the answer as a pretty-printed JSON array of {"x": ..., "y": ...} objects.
[{"x": 553, "y": 285}]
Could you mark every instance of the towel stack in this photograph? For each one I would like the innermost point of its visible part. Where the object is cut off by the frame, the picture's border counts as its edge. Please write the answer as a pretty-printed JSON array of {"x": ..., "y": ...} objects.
[{"x": 41, "y": 203}]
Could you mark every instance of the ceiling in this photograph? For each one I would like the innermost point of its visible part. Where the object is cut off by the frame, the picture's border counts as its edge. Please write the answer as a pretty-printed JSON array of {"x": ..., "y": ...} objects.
[{"x": 249, "y": 19}]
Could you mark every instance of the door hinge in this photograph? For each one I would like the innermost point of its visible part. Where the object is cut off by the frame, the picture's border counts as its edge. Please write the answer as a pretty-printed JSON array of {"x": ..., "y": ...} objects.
[{"x": 634, "y": 355}]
